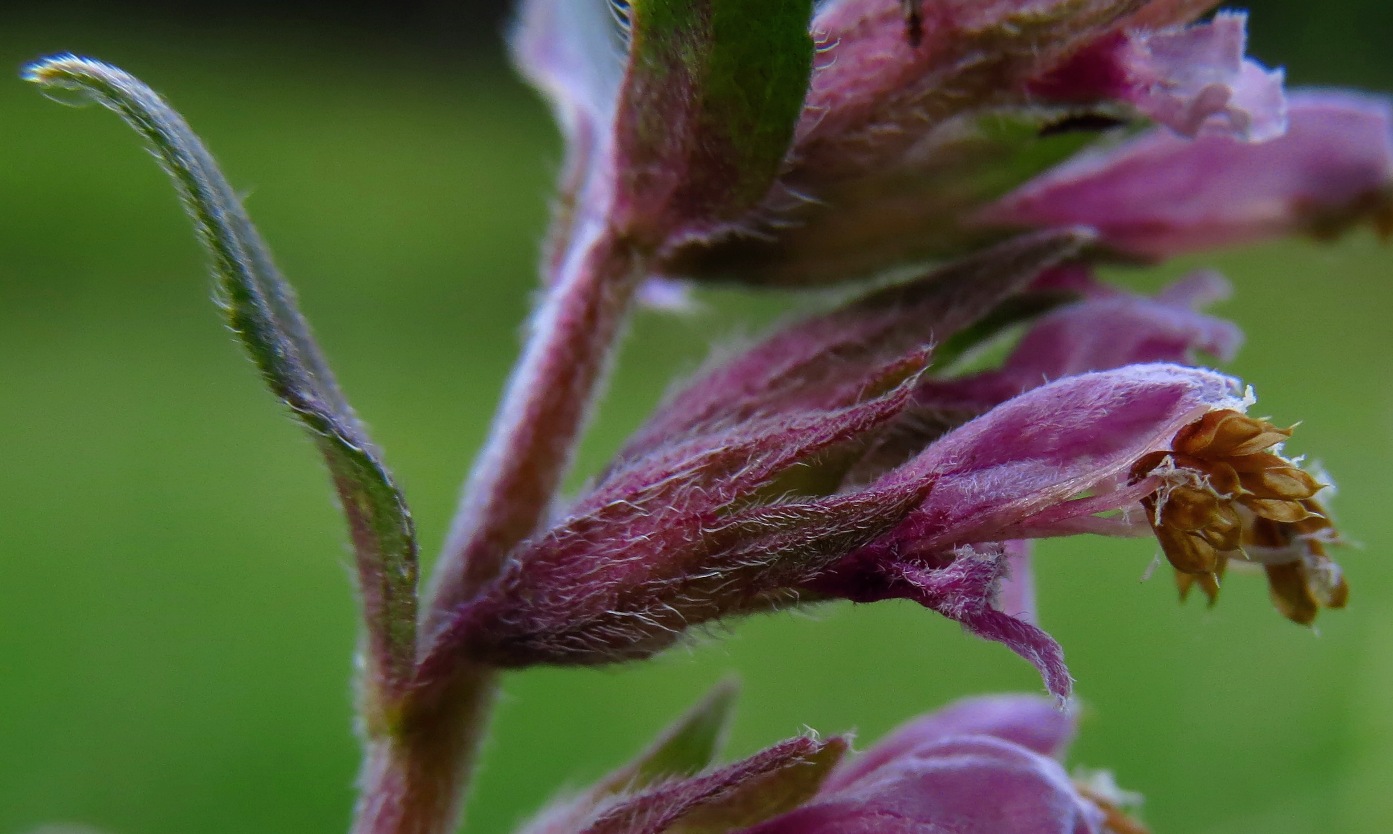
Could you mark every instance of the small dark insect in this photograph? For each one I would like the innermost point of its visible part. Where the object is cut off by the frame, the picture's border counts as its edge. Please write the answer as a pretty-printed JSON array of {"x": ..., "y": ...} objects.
[
  {"x": 1081, "y": 123},
  {"x": 913, "y": 22}
]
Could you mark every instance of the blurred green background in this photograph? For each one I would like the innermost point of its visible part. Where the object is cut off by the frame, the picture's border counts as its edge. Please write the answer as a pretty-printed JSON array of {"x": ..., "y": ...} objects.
[{"x": 176, "y": 612}]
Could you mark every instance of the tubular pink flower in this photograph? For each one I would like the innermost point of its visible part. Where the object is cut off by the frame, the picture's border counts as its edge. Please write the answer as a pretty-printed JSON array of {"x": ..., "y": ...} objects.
[
  {"x": 1018, "y": 471},
  {"x": 1159, "y": 195},
  {"x": 981, "y": 766},
  {"x": 988, "y": 765},
  {"x": 833, "y": 461},
  {"x": 1192, "y": 79}
]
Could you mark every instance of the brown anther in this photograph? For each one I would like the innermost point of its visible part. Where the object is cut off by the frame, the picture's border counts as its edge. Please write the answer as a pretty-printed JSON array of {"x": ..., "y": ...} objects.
[
  {"x": 1288, "y": 483},
  {"x": 1226, "y": 495},
  {"x": 1195, "y": 526},
  {"x": 1291, "y": 593},
  {"x": 1226, "y": 433},
  {"x": 1309, "y": 580},
  {"x": 1285, "y": 512},
  {"x": 1187, "y": 553},
  {"x": 1208, "y": 582},
  {"x": 1223, "y": 478},
  {"x": 1191, "y": 510}
]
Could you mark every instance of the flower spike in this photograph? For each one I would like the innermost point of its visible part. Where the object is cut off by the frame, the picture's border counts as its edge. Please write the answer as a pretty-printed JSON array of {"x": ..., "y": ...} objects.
[{"x": 976, "y": 159}]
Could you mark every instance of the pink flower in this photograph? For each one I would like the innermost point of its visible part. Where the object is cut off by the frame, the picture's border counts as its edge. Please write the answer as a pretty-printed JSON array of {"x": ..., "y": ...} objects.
[
  {"x": 1159, "y": 195},
  {"x": 1193, "y": 79},
  {"x": 980, "y": 766},
  {"x": 873, "y": 150},
  {"x": 836, "y": 460}
]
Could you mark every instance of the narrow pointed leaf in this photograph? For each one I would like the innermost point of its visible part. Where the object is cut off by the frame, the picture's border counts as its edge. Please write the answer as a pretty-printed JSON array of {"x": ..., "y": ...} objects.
[
  {"x": 261, "y": 309},
  {"x": 745, "y": 793},
  {"x": 789, "y": 368},
  {"x": 686, "y": 748},
  {"x": 766, "y": 797}
]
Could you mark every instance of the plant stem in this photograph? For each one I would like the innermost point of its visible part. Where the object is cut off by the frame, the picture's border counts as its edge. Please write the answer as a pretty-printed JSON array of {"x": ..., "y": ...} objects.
[
  {"x": 419, "y": 758},
  {"x": 541, "y": 418},
  {"x": 415, "y": 774}
]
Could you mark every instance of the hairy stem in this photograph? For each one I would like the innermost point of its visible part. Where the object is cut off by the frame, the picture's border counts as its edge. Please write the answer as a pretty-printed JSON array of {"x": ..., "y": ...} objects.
[
  {"x": 415, "y": 774},
  {"x": 539, "y": 423},
  {"x": 418, "y": 763}
]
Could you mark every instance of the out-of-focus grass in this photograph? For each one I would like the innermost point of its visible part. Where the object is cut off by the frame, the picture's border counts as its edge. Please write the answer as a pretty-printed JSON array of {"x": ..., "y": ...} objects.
[{"x": 176, "y": 616}]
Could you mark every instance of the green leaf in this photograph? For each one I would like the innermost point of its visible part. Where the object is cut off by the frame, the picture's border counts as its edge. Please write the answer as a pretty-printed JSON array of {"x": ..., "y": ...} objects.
[
  {"x": 765, "y": 796},
  {"x": 713, "y": 93},
  {"x": 745, "y": 793},
  {"x": 685, "y": 748},
  {"x": 261, "y": 309}
]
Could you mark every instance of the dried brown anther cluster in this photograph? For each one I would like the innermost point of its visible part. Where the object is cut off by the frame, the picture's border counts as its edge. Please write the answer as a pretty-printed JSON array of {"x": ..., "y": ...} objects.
[{"x": 1228, "y": 494}]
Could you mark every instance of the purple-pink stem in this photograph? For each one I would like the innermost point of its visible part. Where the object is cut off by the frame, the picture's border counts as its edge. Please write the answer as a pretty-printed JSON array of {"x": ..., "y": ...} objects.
[
  {"x": 421, "y": 751},
  {"x": 540, "y": 420},
  {"x": 416, "y": 768}
]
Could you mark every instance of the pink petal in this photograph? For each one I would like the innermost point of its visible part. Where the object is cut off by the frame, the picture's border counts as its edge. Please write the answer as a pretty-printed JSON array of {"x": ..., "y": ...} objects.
[
  {"x": 1034, "y": 723},
  {"x": 828, "y": 361},
  {"x": 1051, "y": 444},
  {"x": 1190, "y": 79},
  {"x": 1016, "y": 594},
  {"x": 1108, "y": 330},
  {"x": 1159, "y": 195},
  {"x": 966, "y": 591},
  {"x": 962, "y": 785}
]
